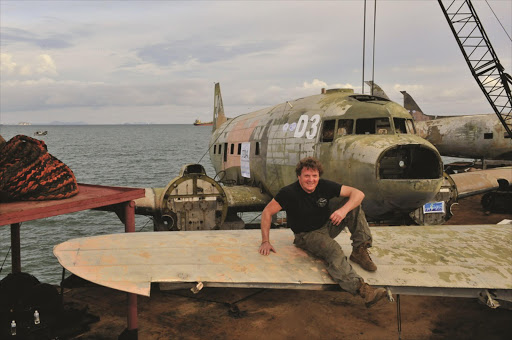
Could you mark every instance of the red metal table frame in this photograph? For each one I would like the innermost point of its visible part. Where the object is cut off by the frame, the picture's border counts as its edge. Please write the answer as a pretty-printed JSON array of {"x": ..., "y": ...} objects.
[{"x": 117, "y": 199}]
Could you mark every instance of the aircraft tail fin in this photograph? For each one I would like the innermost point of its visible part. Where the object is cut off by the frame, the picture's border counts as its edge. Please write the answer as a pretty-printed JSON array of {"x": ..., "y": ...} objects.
[
  {"x": 376, "y": 90},
  {"x": 411, "y": 106},
  {"x": 218, "y": 109}
]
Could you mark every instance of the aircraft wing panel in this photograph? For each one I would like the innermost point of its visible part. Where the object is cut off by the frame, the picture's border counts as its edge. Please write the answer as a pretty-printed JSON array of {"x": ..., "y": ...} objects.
[
  {"x": 477, "y": 182},
  {"x": 437, "y": 257}
]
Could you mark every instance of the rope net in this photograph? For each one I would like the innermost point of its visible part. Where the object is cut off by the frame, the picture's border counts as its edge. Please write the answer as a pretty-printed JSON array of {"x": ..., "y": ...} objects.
[{"x": 29, "y": 173}]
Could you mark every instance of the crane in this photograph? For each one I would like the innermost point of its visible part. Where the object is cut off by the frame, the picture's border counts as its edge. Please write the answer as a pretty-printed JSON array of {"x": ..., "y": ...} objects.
[{"x": 480, "y": 57}]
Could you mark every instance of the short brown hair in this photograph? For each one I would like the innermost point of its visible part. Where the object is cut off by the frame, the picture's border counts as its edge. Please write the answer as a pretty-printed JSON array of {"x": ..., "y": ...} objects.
[{"x": 309, "y": 163}]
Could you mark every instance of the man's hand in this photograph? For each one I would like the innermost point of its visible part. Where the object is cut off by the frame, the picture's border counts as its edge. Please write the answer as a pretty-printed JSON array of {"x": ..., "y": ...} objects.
[
  {"x": 337, "y": 216},
  {"x": 266, "y": 248}
]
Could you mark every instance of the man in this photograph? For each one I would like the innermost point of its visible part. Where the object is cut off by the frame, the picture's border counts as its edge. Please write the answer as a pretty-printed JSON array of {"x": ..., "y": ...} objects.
[{"x": 316, "y": 216}]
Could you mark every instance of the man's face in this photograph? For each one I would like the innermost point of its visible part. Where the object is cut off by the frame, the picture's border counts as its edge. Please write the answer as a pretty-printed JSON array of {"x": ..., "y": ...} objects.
[{"x": 308, "y": 179}]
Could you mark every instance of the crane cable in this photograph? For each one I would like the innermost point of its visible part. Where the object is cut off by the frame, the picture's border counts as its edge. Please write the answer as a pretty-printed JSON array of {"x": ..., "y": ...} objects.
[
  {"x": 374, "y": 30},
  {"x": 498, "y": 20},
  {"x": 364, "y": 44}
]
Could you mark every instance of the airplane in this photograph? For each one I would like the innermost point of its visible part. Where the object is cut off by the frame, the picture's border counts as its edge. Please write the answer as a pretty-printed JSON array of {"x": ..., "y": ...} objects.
[
  {"x": 480, "y": 136},
  {"x": 364, "y": 141}
]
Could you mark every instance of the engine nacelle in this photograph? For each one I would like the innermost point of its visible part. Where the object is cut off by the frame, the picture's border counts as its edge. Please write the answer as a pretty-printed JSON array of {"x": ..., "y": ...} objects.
[{"x": 192, "y": 201}]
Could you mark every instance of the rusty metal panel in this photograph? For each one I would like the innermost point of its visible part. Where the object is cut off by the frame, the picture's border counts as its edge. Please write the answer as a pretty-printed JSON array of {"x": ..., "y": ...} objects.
[{"x": 430, "y": 256}]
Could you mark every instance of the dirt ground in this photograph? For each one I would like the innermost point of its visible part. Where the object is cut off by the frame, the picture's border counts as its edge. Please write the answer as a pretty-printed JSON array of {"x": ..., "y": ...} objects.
[{"x": 222, "y": 313}]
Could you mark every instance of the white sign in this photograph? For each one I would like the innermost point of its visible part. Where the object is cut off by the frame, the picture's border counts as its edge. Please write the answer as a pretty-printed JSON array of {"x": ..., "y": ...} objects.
[
  {"x": 433, "y": 207},
  {"x": 244, "y": 160}
]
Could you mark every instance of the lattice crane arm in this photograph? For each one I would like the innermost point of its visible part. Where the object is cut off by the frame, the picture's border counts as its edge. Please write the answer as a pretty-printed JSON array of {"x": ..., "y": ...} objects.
[{"x": 480, "y": 57}]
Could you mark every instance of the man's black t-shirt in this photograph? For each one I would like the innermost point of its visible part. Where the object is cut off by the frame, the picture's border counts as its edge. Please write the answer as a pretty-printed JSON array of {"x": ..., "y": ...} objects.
[{"x": 307, "y": 212}]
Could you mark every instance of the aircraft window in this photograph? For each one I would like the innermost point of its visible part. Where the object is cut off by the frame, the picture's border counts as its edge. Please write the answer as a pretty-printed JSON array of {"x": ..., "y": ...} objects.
[
  {"x": 328, "y": 130},
  {"x": 232, "y": 148},
  {"x": 370, "y": 126},
  {"x": 488, "y": 135},
  {"x": 239, "y": 149},
  {"x": 225, "y": 152},
  {"x": 400, "y": 125},
  {"x": 257, "y": 151},
  {"x": 345, "y": 127}
]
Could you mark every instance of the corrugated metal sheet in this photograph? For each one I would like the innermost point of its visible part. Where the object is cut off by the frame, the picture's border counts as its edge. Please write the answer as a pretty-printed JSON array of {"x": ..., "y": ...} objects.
[{"x": 428, "y": 256}]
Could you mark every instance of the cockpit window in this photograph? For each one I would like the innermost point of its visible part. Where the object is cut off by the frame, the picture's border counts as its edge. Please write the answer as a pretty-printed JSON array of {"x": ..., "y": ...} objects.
[
  {"x": 371, "y": 126},
  {"x": 345, "y": 127},
  {"x": 328, "y": 130},
  {"x": 403, "y": 125}
]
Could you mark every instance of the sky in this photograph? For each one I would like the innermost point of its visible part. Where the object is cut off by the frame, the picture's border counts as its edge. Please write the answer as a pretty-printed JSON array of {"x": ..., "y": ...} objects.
[{"x": 116, "y": 62}]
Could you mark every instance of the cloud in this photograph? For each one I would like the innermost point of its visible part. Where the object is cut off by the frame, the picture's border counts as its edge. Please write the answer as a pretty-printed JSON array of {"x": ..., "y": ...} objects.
[
  {"x": 182, "y": 51},
  {"x": 7, "y": 65},
  {"x": 121, "y": 58},
  {"x": 11, "y": 36},
  {"x": 47, "y": 93},
  {"x": 318, "y": 84},
  {"x": 423, "y": 69},
  {"x": 43, "y": 65}
]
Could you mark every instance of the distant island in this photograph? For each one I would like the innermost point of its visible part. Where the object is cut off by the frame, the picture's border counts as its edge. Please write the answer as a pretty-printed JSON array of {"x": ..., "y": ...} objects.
[
  {"x": 56, "y": 122},
  {"x": 50, "y": 123}
]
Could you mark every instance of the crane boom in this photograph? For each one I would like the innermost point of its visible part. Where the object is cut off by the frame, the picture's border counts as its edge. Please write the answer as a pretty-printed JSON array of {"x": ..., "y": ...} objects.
[{"x": 480, "y": 57}]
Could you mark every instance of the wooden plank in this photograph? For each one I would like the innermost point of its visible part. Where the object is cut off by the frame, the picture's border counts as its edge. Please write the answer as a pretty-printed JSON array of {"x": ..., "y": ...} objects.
[
  {"x": 88, "y": 197},
  {"x": 428, "y": 256}
]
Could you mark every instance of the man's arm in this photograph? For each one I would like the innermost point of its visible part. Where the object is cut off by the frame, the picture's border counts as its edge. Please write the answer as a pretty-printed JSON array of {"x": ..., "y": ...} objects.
[
  {"x": 266, "y": 218},
  {"x": 355, "y": 197}
]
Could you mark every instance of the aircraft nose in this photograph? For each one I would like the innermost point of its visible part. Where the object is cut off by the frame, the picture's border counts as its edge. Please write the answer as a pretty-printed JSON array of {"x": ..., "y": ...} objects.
[
  {"x": 410, "y": 162},
  {"x": 410, "y": 175}
]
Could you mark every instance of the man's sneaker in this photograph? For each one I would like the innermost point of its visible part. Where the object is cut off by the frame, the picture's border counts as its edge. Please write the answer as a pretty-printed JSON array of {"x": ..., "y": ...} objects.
[
  {"x": 371, "y": 295},
  {"x": 361, "y": 256}
]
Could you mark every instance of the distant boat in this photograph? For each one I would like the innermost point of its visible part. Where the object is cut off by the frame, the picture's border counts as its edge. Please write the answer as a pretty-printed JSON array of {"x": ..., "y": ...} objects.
[
  {"x": 199, "y": 123},
  {"x": 40, "y": 133}
]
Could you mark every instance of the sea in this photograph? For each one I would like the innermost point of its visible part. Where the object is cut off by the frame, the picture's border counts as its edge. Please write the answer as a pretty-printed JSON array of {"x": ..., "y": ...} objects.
[{"x": 141, "y": 156}]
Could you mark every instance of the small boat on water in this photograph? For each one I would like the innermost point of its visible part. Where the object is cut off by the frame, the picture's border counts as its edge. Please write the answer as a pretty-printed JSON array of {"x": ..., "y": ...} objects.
[
  {"x": 40, "y": 133},
  {"x": 199, "y": 123}
]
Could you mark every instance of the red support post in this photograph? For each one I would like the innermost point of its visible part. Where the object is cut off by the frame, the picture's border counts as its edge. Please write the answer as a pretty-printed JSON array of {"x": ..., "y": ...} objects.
[{"x": 129, "y": 215}]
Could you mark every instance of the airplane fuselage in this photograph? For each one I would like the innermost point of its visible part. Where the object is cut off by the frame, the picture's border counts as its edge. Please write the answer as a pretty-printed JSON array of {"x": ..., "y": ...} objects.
[
  {"x": 362, "y": 141},
  {"x": 471, "y": 136}
]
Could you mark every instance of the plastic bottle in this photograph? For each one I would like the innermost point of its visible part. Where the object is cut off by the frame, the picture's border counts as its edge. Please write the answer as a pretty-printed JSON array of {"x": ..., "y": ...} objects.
[
  {"x": 37, "y": 320},
  {"x": 13, "y": 327}
]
